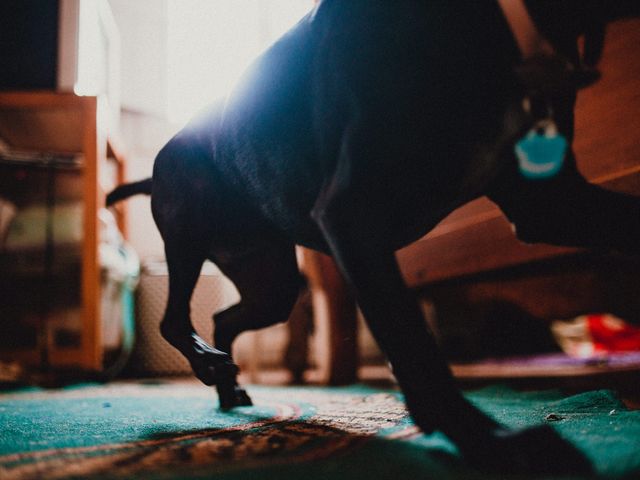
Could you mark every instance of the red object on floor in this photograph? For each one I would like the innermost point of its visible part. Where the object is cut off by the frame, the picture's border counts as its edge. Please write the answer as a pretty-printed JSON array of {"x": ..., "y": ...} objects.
[{"x": 610, "y": 334}]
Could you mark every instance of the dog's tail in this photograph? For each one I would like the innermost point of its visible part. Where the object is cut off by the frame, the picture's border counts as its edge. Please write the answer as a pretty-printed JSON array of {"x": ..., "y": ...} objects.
[{"x": 129, "y": 189}]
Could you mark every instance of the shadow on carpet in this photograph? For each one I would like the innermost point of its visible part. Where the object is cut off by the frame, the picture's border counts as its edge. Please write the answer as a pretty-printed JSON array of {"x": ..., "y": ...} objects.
[{"x": 173, "y": 430}]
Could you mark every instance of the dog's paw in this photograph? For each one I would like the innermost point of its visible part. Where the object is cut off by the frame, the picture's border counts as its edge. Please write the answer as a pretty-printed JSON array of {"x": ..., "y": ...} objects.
[
  {"x": 537, "y": 450},
  {"x": 214, "y": 372},
  {"x": 210, "y": 365},
  {"x": 242, "y": 398},
  {"x": 231, "y": 396}
]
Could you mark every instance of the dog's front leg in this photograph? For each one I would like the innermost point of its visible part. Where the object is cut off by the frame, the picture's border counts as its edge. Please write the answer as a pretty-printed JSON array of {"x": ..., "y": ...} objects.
[
  {"x": 569, "y": 211},
  {"x": 393, "y": 316},
  {"x": 434, "y": 401}
]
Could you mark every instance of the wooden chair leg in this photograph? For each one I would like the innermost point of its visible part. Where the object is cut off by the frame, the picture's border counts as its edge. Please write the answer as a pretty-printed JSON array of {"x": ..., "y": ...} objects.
[{"x": 335, "y": 315}]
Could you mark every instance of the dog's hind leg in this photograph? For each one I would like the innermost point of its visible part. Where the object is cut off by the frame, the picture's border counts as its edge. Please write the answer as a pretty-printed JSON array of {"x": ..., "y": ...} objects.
[
  {"x": 269, "y": 282},
  {"x": 211, "y": 366}
]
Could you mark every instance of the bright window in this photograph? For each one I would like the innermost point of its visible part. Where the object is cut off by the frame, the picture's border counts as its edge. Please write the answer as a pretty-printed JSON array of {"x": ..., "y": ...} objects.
[{"x": 211, "y": 42}]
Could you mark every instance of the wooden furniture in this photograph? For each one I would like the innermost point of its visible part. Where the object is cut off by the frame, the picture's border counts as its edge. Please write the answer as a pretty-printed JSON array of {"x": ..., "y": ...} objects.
[
  {"x": 63, "y": 123},
  {"x": 335, "y": 318}
]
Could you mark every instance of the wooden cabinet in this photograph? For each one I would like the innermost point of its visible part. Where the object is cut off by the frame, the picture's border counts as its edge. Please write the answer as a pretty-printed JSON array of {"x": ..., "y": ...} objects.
[{"x": 64, "y": 125}]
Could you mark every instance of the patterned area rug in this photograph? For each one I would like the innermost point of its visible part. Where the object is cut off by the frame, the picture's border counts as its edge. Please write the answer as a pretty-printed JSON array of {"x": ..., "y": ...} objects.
[{"x": 174, "y": 430}]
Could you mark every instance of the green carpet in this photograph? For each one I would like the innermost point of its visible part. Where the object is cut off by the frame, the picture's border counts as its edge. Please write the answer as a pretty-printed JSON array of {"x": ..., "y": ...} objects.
[{"x": 173, "y": 430}]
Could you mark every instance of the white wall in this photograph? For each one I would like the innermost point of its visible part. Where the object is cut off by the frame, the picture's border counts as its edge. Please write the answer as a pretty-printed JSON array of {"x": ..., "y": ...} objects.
[
  {"x": 143, "y": 33},
  {"x": 172, "y": 52},
  {"x": 144, "y": 136}
]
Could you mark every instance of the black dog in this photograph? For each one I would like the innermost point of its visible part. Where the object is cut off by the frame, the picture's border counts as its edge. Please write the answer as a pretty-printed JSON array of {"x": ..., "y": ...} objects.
[{"x": 355, "y": 134}]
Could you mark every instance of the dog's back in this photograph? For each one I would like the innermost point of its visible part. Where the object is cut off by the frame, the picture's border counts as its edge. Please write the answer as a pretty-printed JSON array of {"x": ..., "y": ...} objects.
[{"x": 414, "y": 69}]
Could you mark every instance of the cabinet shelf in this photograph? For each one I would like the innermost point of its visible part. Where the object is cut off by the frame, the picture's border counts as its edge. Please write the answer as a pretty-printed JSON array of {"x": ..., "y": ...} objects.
[{"x": 75, "y": 129}]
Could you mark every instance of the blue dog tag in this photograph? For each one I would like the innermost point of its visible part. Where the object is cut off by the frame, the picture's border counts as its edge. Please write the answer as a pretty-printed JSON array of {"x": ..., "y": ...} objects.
[{"x": 541, "y": 151}]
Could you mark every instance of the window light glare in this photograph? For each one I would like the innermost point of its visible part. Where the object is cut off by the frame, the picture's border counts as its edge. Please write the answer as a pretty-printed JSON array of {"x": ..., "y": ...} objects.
[{"x": 210, "y": 43}]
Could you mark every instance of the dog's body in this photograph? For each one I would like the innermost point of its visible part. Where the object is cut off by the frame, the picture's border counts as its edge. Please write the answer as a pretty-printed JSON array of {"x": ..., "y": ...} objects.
[{"x": 355, "y": 134}]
